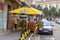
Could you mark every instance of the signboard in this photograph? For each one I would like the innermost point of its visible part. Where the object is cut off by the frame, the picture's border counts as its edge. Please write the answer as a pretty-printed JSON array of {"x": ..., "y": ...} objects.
[
  {"x": 22, "y": 11},
  {"x": 23, "y": 16},
  {"x": 22, "y": 0}
]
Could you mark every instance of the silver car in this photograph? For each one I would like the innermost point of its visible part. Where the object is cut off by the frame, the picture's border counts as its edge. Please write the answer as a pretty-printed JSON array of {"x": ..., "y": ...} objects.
[
  {"x": 47, "y": 28},
  {"x": 57, "y": 20}
]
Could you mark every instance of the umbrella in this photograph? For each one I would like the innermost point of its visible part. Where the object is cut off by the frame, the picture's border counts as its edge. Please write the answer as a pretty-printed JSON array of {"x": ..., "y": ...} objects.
[{"x": 26, "y": 10}]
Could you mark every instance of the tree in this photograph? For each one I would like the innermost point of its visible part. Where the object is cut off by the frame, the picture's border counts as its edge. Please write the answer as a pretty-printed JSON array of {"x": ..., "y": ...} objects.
[
  {"x": 39, "y": 7},
  {"x": 53, "y": 11},
  {"x": 59, "y": 13},
  {"x": 46, "y": 11}
]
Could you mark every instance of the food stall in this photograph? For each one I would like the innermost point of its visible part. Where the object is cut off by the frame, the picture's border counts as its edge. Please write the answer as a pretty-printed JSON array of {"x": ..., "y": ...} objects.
[{"x": 28, "y": 11}]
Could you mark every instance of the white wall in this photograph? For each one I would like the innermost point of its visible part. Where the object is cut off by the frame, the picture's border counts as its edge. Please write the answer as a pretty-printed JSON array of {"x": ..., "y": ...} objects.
[{"x": 58, "y": 6}]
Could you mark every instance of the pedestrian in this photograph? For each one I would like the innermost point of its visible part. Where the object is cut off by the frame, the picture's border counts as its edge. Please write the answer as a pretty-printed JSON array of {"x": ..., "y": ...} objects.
[
  {"x": 22, "y": 24},
  {"x": 15, "y": 22}
]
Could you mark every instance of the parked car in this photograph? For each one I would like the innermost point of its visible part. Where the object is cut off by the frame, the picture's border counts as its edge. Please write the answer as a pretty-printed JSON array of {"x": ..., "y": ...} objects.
[
  {"x": 57, "y": 20},
  {"x": 47, "y": 28}
]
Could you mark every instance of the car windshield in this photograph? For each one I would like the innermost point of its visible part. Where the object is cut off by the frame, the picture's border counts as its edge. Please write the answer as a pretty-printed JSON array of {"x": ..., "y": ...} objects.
[{"x": 46, "y": 23}]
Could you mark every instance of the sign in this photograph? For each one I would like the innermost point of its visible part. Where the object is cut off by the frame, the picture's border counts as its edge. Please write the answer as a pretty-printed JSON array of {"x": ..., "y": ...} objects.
[
  {"x": 22, "y": 0},
  {"x": 23, "y": 11},
  {"x": 23, "y": 16}
]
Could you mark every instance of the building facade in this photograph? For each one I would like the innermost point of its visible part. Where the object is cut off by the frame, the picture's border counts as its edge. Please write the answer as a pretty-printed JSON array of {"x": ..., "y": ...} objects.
[
  {"x": 1, "y": 15},
  {"x": 5, "y": 7},
  {"x": 28, "y": 2},
  {"x": 48, "y": 3}
]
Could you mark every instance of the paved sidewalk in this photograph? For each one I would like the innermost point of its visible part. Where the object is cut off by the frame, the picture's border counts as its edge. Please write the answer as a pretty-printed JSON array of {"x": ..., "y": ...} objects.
[
  {"x": 10, "y": 36},
  {"x": 16, "y": 36}
]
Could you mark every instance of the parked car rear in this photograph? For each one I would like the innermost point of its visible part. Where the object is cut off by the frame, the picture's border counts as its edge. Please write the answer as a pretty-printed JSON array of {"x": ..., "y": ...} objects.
[
  {"x": 57, "y": 20},
  {"x": 47, "y": 28}
]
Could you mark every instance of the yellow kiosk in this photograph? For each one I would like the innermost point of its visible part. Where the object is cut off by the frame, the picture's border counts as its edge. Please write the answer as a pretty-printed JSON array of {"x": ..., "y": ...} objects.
[{"x": 26, "y": 10}]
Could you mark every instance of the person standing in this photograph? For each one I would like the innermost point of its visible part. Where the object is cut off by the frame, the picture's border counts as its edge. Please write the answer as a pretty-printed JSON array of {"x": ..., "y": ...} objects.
[
  {"x": 22, "y": 24},
  {"x": 15, "y": 22}
]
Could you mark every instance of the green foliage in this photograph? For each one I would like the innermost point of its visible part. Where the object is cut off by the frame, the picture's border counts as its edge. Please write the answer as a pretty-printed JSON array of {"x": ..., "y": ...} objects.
[
  {"x": 39, "y": 7},
  {"x": 56, "y": 14},
  {"x": 59, "y": 13},
  {"x": 46, "y": 11},
  {"x": 53, "y": 11}
]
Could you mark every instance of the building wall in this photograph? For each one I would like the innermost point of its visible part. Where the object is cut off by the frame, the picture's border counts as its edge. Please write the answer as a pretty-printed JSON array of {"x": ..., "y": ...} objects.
[
  {"x": 51, "y": 3},
  {"x": 4, "y": 13},
  {"x": 28, "y": 2},
  {"x": 1, "y": 15},
  {"x": 11, "y": 5},
  {"x": 1, "y": 20}
]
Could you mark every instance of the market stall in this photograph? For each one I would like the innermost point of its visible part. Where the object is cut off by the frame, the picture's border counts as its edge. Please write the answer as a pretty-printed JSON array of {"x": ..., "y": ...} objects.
[{"x": 27, "y": 11}]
